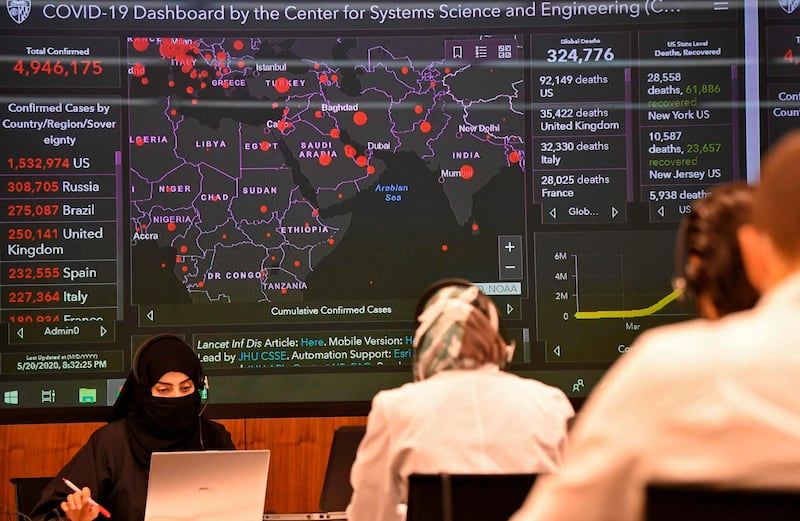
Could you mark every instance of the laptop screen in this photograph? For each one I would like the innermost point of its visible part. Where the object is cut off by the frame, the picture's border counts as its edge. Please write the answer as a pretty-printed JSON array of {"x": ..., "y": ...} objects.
[
  {"x": 336, "y": 489},
  {"x": 207, "y": 485}
]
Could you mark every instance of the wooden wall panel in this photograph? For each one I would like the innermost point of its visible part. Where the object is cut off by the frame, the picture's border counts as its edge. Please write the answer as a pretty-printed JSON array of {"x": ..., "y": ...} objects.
[
  {"x": 37, "y": 450},
  {"x": 299, "y": 454}
]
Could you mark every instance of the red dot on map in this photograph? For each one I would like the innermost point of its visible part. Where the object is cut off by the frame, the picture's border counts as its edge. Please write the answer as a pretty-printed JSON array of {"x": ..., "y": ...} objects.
[
  {"x": 318, "y": 114},
  {"x": 447, "y": 70},
  {"x": 138, "y": 70},
  {"x": 335, "y": 133},
  {"x": 297, "y": 264},
  {"x": 139, "y": 142},
  {"x": 334, "y": 78},
  {"x": 370, "y": 170},
  {"x": 203, "y": 85},
  {"x": 324, "y": 159},
  {"x": 331, "y": 241},
  {"x": 171, "y": 227},
  {"x": 433, "y": 84},
  {"x": 467, "y": 172},
  {"x": 222, "y": 56},
  {"x": 167, "y": 49},
  {"x": 340, "y": 196},
  {"x": 204, "y": 74},
  {"x": 225, "y": 70},
  {"x": 315, "y": 212},
  {"x": 208, "y": 56},
  {"x": 425, "y": 127},
  {"x": 361, "y": 161},
  {"x": 513, "y": 157},
  {"x": 360, "y": 118},
  {"x": 163, "y": 265},
  {"x": 273, "y": 258},
  {"x": 171, "y": 84},
  {"x": 240, "y": 64},
  {"x": 225, "y": 84},
  {"x": 284, "y": 291},
  {"x": 238, "y": 45},
  {"x": 274, "y": 105},
  {"x": 194, "y": 102},
  {"x": 445, "y": 247},
  {"x": 184, "y": 248},
  {"x": 140, "y": 44},
  {"x": 173, "y": 112},
  {"x": 264, "y": 145},
  {"x": 404, "y": 70},
  {"x": 316, "y": 66},
  {"x": 201, "y": 284},
  {"x": 145, "y": 80},
  {"x": 282, "y": 85},
  {"x": 178, "y": 258},
  {"x": 350, "y": 151},
  {"x": 189, "y": 89},
  {"x": 186, "y": 67},
  {"x": 185, "y": 268},
  {"x": 323, "y": 78},
  {"x": 475, "y": 227},
  {"x": 263, "y": 208},
  {"x": 418, "y": 109},
  {"x": 224, "y": 235}
]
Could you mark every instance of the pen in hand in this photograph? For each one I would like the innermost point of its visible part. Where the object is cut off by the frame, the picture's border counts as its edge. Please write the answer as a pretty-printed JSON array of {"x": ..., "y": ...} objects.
[{"x": 102, "y": 510}]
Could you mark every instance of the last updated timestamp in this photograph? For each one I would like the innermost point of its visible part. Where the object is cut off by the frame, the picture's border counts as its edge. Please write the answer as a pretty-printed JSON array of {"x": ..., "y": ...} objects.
[{"x": 64, "y": 365}]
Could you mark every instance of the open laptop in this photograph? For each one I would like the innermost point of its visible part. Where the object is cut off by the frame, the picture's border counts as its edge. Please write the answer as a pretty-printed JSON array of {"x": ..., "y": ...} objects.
[
  {"x": 207, "y": 485},
  {"x": 336, "y": 489}
]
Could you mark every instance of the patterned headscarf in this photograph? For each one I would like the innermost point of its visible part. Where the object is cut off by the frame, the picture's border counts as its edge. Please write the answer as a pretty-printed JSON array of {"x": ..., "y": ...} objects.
[{"x": 458, "y": 328}]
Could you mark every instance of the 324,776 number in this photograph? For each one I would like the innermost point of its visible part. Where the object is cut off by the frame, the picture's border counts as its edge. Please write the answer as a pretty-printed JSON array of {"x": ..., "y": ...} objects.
[{"x": 586, "y": 54}]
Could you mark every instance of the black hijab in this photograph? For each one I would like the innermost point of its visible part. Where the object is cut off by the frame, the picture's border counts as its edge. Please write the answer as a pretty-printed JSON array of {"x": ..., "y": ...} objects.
[{"x": 158, "y": 424}]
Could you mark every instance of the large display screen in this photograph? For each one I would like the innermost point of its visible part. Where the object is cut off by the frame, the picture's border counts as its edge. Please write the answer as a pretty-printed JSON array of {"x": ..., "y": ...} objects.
[{"x": 278, "y": 182}]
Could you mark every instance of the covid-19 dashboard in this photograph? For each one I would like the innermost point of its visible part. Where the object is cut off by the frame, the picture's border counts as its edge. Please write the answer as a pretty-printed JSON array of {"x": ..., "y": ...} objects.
[{"x": 277, "y": 183}]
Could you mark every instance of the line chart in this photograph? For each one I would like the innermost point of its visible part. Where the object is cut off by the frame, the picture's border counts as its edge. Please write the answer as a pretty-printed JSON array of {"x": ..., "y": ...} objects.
[{"x": 596, "y": 291}]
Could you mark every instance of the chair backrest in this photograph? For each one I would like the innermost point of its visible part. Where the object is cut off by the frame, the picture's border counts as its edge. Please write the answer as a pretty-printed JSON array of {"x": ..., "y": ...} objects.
[
  {"x": 336, "y": 488},
  {"x": 466, "y": 497},
  {"x": 28, "y": 491},
  {"x": 692, "y": 502}
]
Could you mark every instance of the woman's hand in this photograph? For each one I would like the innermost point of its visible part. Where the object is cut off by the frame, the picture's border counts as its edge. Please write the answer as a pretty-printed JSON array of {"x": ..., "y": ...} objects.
[{"x": 78, "y": 506}]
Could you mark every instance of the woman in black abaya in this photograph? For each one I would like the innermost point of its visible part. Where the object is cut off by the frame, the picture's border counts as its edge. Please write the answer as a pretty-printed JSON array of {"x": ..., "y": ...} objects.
[{"x": 158, "y": 410}]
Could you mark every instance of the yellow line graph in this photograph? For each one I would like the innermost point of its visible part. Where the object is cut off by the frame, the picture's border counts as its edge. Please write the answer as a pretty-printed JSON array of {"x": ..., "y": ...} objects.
[{"x": 631, "y": 313}]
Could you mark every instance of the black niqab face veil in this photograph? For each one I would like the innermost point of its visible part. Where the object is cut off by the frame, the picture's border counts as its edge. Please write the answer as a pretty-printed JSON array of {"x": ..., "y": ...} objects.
[{"x": 158, "y": 424}]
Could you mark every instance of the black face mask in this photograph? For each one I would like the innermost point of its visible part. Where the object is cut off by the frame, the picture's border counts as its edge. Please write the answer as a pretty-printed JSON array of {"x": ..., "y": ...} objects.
[{"x": 174, "y": 417}]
